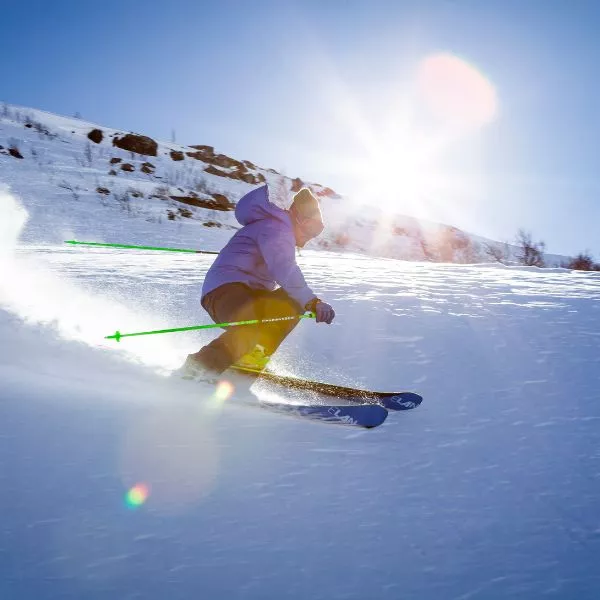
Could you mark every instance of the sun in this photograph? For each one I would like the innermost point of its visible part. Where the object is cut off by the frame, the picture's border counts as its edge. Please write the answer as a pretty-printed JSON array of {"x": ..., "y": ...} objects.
[{"x": 394, "y": 178}]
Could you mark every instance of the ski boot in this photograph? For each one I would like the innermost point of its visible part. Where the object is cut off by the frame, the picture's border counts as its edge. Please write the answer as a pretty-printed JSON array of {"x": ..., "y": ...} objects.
[{"x": 255, "y": 361}]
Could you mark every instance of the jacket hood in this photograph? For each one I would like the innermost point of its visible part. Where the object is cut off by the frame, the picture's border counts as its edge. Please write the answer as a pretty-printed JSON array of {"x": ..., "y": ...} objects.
[{"x": 255, "y": 205}]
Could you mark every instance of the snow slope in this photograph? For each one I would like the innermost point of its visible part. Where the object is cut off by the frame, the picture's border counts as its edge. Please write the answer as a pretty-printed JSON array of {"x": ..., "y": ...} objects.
[
  {"x": 72, "y": 188},
  {"x": 488, "y": 490}
]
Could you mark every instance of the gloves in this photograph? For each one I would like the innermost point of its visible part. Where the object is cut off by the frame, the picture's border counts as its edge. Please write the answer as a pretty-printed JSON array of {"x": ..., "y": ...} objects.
[{"x": 324, "y": 312}]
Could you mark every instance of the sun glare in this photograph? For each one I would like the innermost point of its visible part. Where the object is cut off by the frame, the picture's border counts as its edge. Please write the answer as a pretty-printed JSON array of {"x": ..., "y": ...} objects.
[
  {"x": 392, "y": 179},
  {"x": 405, "y": 170}
]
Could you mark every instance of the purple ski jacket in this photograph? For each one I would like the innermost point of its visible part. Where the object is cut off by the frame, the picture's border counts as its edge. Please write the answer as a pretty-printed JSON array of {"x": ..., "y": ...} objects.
[{"x": 262, "y": 254}]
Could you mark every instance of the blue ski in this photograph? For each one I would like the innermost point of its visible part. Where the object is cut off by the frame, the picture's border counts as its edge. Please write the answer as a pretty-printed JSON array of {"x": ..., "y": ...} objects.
[
  {"x": 367, "y": 416},
  {"x": 397, "y": 400}
]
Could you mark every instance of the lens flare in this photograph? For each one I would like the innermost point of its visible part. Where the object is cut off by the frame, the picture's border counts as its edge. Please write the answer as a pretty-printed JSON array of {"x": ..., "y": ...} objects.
[
  {"x": 224, "y": 390},
  {"x": 137, "y": 495},
  {"x": 174, "y": 452},
  {"x": 456, "y": 91}
]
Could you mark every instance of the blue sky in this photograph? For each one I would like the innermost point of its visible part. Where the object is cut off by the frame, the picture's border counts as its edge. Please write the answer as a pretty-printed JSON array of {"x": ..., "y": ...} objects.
[{"x": 319, "y": 89}]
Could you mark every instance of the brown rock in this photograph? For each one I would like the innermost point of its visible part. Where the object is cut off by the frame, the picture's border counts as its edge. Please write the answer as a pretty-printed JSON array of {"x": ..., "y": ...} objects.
[
  {"x": 127, "y": 167},
  {"x": 214, "y": 171},
  {"x": 221, "y": 160},
  {"x": 115, "y": 160},
  {"x": 102, "y": 190},
  {"x": 397, "y": 230},
  {"x": 201, "y": 155},
  {"x": 223, "y": 201},
  {"x": 15, "y": 152},
  {"x": 96, "y": 135},
  {"x": 140, "y": 144},
  {"x": 253, "y": 179},
  {"x": 176, "y": 155},
  {"x": 218, "y": 202},
  {"x": 247, "y": 177},
  {"x": 207, "y": 152}
]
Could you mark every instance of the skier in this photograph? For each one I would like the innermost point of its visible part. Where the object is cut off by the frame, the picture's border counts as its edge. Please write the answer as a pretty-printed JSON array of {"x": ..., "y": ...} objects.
[{"x": 256, "y": 276}]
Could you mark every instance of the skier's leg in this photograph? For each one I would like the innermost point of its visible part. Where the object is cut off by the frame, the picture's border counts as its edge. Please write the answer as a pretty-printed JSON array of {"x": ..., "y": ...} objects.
[
  {"x": 271, "y": 305},
  {"x": 228, "y": 303}
]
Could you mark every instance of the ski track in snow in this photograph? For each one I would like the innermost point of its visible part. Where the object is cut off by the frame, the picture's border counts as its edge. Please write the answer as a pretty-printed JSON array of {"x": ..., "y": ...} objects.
[{"x": 488, "y": 490}]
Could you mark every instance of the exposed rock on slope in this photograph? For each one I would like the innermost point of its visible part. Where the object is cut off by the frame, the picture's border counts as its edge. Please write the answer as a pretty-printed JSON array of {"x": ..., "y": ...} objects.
[{"x": 140, "y": 144}]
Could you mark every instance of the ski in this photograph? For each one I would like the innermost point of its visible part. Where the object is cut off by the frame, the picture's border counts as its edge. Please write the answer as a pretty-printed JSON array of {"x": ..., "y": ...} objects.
[
  {"x": 367, "y": 416},
  {"x": 361, "y": 415},
  {"x": 389, "y": 400}
]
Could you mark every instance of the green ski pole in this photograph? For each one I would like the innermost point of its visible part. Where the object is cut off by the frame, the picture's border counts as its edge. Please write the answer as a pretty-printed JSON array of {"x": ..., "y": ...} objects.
[
  {"x": 118, "y": 335},
  {"x": 130, "y": 246}
]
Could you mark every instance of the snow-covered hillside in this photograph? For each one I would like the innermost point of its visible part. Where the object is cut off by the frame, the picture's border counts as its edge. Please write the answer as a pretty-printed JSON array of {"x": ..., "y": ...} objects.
[
  {"x": 117, "y": 482},
  {"x": 73, "y": 179}
]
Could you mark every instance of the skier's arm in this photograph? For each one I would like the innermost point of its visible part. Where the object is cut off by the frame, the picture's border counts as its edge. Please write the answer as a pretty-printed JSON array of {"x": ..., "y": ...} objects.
[{"x": 278, "y": 251}]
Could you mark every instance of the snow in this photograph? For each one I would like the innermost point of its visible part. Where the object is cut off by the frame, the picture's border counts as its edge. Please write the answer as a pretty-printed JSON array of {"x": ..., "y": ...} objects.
[
  {"x": 58, "y": 179},
  {"x": 488, "y": 490}
]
